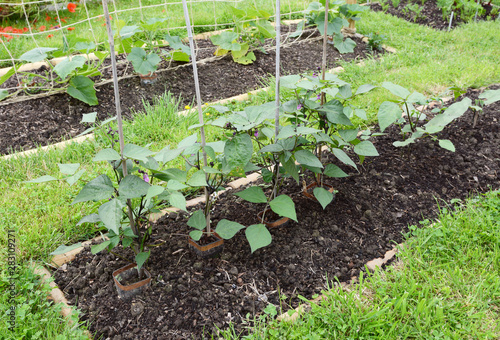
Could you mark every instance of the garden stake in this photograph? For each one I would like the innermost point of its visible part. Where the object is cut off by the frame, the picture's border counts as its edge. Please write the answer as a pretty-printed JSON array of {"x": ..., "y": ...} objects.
[
  {"x": 352, "y": 23},
  {"x": 277, "y": 94},
  {"x": 477, "y": 10},
  {"x": 277, "y": 103},
  {"x": 451, "y": 20},
  {"x": 323, "y": 71},
  {"x": 200, "y": 112},
  {"x": 118, "y": 112}
]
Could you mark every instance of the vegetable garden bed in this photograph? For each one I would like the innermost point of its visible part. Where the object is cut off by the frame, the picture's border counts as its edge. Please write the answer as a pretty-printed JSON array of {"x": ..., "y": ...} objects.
[
  {"x": 369, "y": 214},
  {"x": 428, "y": 13},
  {"x": 43, "y": 121}
]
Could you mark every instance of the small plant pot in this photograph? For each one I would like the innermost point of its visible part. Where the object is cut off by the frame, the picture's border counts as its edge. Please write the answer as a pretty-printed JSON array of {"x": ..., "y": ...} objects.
[
  {"x": 280, "y": 222},
  {"x": 211, "y": 249},
  {"x": 127, "y": 273},
  {"x": 308, "y": 191},
  {"x": 148, "y": 79}
]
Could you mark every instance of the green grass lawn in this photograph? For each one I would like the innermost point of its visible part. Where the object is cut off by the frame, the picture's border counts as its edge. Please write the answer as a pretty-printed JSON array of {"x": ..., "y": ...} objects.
[{"x": 427, "y": 61}]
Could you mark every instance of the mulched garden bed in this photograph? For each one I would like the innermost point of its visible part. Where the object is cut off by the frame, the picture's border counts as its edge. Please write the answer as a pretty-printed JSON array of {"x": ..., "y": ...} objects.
[
  {"x": 431, "y": 15},
  {"x": 190, "y": 297},
  {"x": 28, "y": 124}
]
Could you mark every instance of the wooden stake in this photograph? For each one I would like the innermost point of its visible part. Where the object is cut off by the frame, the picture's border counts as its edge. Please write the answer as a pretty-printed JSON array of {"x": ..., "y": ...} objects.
[
  {"x": 352, "y": 23},
  {"x": 198, "y": 104}
]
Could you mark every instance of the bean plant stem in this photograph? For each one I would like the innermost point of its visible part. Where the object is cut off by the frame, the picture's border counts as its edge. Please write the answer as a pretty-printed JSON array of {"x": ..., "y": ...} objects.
[
  {"x": 200, "y": 111},
  {"x": 412, "y": 126},
  {"x": 118, "y": 110}
]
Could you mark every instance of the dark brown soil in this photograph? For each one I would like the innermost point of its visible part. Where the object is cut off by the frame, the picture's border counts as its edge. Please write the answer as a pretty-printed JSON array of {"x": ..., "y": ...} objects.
[
  {"x": 431, "y": 15},
  {"x": 190, "y": 297},
  {"x": 43, "y": 121}
]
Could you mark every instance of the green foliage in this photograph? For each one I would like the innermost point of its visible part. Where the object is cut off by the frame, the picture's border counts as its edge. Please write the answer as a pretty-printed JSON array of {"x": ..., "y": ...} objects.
[
  {"x": 82, "y": 88},
  {"x": 323, "y": 196},
  {"x": 71, "y": 72},
  {"x": 376, "y": 41},
  {"x": 324, "y": 108},
  {"x": 130, "y": 191},
  {"x": 37, "y": 54},
  {"x": 338, "y": 15},
  {"x": 395, "y": 3},
  {"x": 258, "y": 236},
  {"x": 284, "y": 206},
  {"x": 466, "y": 8},
  {"x": 407, "y": 112},
  {"x": 143, "y": 63},
  {"x": 37, "y": 317},
  {"x": 253, "y": 194},
  {"x": 490, "y": 96},
  {"x": 142, "y": 44},
  {"x": 227, "y": 229},
  {"x": 251, "y": 28},
  {"x": 311, "y": 122},
  {"x": 413, "y": 11}
]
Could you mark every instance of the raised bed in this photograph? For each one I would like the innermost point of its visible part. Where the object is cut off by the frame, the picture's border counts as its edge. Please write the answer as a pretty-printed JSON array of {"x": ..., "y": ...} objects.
[
  {"x": 370, "y": 213},
  {"x": 430, "y": 15},
  {"x": 47, "y": 120}
]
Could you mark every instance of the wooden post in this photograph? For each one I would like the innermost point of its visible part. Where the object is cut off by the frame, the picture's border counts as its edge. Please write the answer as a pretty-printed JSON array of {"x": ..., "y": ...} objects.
[{"x": 352, "y": 23}]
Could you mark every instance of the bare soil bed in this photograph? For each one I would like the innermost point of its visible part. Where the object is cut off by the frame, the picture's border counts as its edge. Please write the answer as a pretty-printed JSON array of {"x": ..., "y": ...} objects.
[
  {"x": 28, "y": 124},
  {"x": 190, "y": 297}
]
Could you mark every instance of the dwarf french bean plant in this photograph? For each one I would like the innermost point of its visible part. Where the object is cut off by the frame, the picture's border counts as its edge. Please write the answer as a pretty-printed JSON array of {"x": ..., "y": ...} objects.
[
  {"x": 124, "y": 201},
  {"x": 276, "y": 155},
  {"x": 407, "y": 113},
  {"x": 225, "y": 159},
  {"x": 486, "y": 98},
  {"x": 325, "y": 108}
]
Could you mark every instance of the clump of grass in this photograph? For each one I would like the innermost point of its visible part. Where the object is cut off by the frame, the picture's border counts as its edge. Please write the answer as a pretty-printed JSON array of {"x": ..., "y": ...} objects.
[{"x": 36, "y": 316}]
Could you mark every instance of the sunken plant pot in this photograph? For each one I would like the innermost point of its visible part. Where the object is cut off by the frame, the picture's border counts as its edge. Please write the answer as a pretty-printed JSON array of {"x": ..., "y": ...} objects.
[
  {"x": 207, "y": 246},
  {"x": 148, "y": 79},
  {"x": 308, "y": 191},
  {"x": 126, "y": 282},
  {"x": 276, "y": 223}
]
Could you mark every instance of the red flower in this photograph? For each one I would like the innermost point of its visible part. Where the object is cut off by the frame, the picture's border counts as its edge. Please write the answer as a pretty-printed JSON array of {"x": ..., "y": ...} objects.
[
  {"x": 47, "y": 18},
  {"x": 62, "y": 20},
  {"x": 71, "y": 7},
  {"x": 50, "y": 36},
  {"x": 42, "y": 28},
  {"x": 71, "y": 28},
  {"x": 25, "y": 29},
  {"x": 8, "y": 29}
]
